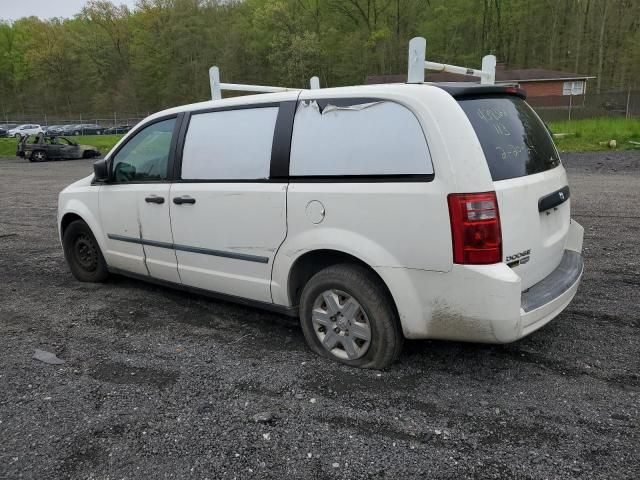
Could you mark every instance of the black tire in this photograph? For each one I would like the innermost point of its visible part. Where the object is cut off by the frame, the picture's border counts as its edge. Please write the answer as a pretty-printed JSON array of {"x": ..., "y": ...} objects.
[
  {"x": 82, "y": 252},
  {"x": 386, "y": 338},
  {"x": 76, "y": 133},
  {"x": 38, "y": 156}
]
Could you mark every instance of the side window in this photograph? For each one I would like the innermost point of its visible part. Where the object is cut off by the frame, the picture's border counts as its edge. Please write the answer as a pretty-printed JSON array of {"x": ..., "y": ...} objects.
[
  {"x": 374, "y": 138},
  {"x": 144, "y": 157},
  {"x": 229, "y": 145}
]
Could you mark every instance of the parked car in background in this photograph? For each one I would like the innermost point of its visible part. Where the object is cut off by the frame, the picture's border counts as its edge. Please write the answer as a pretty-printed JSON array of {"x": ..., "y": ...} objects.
[
  {"x": 83, "y": 129},
  {"x": 53, "y": 130},
  {"x": 118, "y": 129},
  {"x": 45, "y": 147},
  {"x": 4, "y": 129},
  {"x": 25, "y": 129}
]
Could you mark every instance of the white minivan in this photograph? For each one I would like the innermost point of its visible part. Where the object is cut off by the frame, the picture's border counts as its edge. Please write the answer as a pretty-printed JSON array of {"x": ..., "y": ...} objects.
[{"x": 374, "y": 213}]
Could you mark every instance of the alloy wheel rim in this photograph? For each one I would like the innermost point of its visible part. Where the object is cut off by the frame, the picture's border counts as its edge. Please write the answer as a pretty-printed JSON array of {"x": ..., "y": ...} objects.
[{"x": 341, "y": 325}]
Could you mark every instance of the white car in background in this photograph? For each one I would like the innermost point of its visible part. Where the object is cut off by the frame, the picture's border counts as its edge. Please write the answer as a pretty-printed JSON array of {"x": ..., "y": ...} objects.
[{"x": 25, "y": 130}]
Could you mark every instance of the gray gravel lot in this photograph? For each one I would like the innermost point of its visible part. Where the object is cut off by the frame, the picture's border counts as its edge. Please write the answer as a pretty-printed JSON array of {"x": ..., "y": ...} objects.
[{"x": 163, "y": 384}]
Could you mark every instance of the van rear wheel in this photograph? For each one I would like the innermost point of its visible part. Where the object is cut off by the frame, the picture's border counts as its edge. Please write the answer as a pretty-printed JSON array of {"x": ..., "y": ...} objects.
[
  {"x": 347, "y": 315},
  {"x": 83, "y": 254}
]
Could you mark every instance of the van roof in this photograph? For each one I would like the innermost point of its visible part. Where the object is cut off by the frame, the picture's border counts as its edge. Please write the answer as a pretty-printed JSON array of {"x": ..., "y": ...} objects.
[{"x": 456, "y": 90}]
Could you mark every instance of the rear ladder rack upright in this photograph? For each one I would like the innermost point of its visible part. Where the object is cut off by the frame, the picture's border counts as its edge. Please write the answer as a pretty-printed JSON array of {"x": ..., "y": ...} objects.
[{"x": 418, "y": 64}]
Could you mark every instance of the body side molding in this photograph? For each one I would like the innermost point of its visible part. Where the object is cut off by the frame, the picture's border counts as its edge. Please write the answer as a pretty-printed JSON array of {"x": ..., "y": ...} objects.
[{"x": 186, "y": 248}]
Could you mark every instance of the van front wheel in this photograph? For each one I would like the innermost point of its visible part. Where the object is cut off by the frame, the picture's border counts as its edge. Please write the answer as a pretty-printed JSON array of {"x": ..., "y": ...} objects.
[
  {"x": 347, "y": 315},
  {"x": 83, "y": 253}
]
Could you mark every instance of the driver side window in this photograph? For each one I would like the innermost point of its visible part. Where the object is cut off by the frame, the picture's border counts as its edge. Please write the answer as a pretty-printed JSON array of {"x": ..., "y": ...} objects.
[{"x": 144, "y": 157}]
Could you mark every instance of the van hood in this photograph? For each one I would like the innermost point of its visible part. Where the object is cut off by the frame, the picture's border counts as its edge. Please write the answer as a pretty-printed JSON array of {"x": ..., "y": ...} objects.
[{"x": 83, "y": 182}]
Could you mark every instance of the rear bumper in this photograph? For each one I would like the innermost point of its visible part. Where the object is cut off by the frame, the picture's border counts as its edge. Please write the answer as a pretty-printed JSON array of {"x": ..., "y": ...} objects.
[
  {"x": 485, "y": 303},
  {"x": 546, "y": 299}
]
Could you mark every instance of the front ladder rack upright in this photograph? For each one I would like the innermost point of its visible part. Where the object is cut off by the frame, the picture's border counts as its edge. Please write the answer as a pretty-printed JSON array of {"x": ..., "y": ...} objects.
[
  {"x": 418, "y": 63},
  {"x": 217, "y": 87}
]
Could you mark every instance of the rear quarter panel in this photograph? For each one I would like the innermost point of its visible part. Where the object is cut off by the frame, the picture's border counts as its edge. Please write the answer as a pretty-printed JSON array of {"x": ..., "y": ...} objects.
[{"x": 389, "y": 224}]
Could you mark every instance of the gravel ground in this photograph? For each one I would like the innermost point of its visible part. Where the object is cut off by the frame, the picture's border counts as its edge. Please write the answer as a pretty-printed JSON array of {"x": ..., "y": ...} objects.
[{"x": 163, "y": 384}]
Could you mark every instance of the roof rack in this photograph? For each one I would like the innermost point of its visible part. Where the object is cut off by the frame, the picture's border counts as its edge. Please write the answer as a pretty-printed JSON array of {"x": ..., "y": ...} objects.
[
  {"x": 217, "y": 87},
  {"x": 418, "y": 64}
]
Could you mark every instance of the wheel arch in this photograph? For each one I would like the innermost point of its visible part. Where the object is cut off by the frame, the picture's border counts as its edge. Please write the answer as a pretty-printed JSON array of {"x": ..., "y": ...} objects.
[
  {"x": 311, "y": 262},
  {"x": 67, "y": 219},
  {"x": 76, "y": 209}
]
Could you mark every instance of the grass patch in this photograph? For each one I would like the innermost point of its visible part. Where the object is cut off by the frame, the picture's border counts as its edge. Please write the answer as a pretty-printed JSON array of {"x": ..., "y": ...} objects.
[
  {"x": 587, "y": 134},
  {"x": 104, "y": 143}
]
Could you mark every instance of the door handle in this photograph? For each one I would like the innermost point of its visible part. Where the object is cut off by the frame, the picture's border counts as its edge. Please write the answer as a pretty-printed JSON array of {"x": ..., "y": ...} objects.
[
  {"x": 554, "y": 199},
  {"x": 181, "y": 200},
  {"x": 154, "y": 199}
]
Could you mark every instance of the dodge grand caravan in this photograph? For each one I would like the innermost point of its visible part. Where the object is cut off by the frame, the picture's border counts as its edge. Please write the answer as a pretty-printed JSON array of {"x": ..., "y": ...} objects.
[{"x": 374, "y": 213}]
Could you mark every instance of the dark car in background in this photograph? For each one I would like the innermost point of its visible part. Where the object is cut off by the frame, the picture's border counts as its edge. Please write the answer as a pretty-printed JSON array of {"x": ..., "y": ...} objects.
[
  {"x": 83, "y": 129},
  {"x": 5, "y": 127},
  {"x": 53, "y": 130},
  {"x": 118, "y": 129}
]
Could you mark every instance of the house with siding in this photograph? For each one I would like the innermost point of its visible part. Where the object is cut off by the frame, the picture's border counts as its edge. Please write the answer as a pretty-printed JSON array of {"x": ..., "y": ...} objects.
[{"x": 545, "y": 88}]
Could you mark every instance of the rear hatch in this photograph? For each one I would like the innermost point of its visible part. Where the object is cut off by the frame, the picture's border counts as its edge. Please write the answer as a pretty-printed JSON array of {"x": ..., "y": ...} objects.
[{"x": 530, "y": 183}]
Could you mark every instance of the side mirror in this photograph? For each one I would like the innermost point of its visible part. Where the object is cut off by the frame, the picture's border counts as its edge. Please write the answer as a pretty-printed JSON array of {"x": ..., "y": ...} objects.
[{"x": 101, "y": 170}]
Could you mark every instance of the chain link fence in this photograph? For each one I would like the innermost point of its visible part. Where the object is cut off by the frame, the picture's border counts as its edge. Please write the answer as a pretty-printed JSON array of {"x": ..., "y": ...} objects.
[
  {"x": 45, "y": 120},
  {"x": 620, "y": 104}
]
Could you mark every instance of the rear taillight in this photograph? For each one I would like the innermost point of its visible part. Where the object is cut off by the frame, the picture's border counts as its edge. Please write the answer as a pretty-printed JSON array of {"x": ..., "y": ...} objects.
[{"x": 475, "y": 228}]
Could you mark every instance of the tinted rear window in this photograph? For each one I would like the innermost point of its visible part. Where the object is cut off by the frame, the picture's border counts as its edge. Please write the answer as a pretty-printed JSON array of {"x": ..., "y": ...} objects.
[{"x": 514, "y": 140}]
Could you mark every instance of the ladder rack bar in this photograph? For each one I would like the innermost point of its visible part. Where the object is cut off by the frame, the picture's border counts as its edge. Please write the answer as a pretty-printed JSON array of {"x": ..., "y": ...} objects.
[
  {"x": 443, "y": 67},
  {"x": 255, "y": 88},
  {"x": 217, "y": 86}
]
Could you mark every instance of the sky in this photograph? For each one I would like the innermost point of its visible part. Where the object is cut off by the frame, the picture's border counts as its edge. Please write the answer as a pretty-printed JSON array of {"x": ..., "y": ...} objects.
[{"x": 14, "y": 9}]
